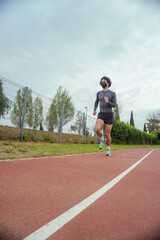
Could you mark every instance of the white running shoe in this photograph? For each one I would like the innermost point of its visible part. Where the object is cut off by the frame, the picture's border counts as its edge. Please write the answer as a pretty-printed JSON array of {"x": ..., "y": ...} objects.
[
  {"x": 101, "y": 145},
  {"x": 108, "y": 153}
]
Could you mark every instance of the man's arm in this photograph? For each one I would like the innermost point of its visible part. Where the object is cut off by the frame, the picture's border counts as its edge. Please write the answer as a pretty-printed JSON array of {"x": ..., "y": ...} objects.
[
  {"x": 114, "y": 101},
  {"x": 96, "y": 104}
]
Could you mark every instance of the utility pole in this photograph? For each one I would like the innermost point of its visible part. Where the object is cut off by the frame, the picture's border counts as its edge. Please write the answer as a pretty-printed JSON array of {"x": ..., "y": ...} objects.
[
  {"x": 83, "y": 126},
  {"x": 86, "y": 120}
]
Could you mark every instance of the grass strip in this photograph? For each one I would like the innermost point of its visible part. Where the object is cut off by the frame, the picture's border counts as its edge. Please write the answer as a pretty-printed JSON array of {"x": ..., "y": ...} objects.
[{"x": 17, "y": 150}]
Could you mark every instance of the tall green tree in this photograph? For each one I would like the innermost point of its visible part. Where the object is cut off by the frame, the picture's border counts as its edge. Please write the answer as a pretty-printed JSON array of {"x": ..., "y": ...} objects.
[
  {"x": 62, "y": 96},
  {"x": 51, "y": 118},
  {"x": 17, "y": 110},
  {"x": 145, "y": 128},
  {"x": 132, "y": 119},
  {"x": 5, "y": 103},
  {"x": 37, "y": 113},
  {"x": 116, "y": 114}
]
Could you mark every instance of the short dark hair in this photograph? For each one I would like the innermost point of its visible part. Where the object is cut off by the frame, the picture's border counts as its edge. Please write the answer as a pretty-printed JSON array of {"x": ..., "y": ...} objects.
[{"x": 107, "y": 79}]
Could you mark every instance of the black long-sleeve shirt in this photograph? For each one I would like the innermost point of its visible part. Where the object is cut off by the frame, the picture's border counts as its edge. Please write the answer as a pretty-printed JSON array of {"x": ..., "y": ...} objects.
[{"x": 105, "y": 107}]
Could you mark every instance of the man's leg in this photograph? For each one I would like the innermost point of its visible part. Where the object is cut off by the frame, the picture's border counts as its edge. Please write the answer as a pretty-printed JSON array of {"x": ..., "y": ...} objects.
[
  {"x": 108, "y": 135},
  {"x": 99, "y": 124},
  {"x": 108, "y": 129}
]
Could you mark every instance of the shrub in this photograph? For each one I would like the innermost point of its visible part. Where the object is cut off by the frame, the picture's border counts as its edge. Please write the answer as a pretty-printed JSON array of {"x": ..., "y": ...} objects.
[
  {"x": 26, "y": 136},
  {"x": 123, "y": 133},
  {"x": 7, "y": 143},
  {"x": 156, "y": 137},
  {"x": 76, "y": 141}
]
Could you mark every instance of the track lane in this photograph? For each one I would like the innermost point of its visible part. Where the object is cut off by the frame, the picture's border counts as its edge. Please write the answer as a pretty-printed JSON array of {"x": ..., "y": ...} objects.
[
  {"x": 129, "y": 211},
  {"x": 33, "y": 192}
]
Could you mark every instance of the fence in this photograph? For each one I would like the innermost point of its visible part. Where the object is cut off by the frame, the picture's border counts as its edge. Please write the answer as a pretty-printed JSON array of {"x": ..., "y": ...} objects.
[{"x": 81, "y": 124}]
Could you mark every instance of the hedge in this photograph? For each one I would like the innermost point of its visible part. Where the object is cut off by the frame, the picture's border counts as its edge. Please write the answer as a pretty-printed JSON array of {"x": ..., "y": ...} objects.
[{"x": 123, "y": 133}]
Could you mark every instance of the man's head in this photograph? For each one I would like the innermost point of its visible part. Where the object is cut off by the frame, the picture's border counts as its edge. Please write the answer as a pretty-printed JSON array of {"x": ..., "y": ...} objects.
[{"x": 106, "y": 80}]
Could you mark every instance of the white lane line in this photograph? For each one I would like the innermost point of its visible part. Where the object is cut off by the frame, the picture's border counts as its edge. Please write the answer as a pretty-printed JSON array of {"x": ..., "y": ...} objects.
[{"x": 50, "y": 228}]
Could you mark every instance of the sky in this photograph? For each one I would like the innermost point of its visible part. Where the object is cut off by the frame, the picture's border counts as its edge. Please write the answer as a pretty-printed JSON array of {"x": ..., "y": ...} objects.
[{"x": 72, "y": 43}]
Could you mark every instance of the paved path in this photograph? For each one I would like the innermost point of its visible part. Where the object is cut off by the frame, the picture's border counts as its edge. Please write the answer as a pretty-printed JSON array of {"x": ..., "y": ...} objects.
[{"x": 35, "y": 192}]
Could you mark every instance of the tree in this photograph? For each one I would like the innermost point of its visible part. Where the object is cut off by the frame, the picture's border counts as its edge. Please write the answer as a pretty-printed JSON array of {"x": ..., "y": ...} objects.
[
  {"x": 153, "y": 122},
  {"x": 41, "y": 127},
  {"x": 51, "y": 118},
  {"x": 62, "y": 96},
  {"x": 145, "y": 128},
  {"x": 79, "y": 122},
  {"x": 116, "y": 114},
  {"x": 5, "y": 103},
  {"x": 17, "y": 110},
  {"x": 37, "y": 112},
  {"x": 131, "y": 119},
  {"x": 73, "y": 128}
]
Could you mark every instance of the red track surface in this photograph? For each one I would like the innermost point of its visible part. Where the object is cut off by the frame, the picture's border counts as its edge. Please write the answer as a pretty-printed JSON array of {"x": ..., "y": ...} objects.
[{"x": 35, "y": 191}]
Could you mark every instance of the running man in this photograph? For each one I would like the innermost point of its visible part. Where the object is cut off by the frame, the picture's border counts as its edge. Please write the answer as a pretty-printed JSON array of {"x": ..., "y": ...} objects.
[{"x": 107, "y": 100}]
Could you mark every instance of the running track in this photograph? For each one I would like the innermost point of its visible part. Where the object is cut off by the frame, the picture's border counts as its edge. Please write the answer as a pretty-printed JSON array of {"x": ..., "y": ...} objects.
[{"x": 34, "y": 192}]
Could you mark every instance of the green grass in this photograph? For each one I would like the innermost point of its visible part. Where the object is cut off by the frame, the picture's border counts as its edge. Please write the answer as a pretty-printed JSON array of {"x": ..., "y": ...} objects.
[{"x": 30, "y": 149}]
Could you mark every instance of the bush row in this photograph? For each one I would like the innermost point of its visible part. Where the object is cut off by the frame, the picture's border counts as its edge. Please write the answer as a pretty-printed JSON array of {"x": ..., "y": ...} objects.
[
  {"x": 123, "y": 133},
  {"x": 157, "y": 137}
]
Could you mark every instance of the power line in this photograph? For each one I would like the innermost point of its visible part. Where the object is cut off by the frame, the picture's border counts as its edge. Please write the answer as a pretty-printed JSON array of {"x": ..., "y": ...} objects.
[
  {"x": 39, "y": 94},
  {"x": 10, "y": 81},
  {"x": 21, "y": 86},
  {"x": 9, "y": 89}
]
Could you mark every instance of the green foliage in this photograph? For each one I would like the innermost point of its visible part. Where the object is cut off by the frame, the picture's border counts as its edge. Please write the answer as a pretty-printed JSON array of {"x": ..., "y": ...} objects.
[
  {"x": 116, "y": 115},
  {"x": 41, "y": 127},
  {"x": 49, "y": 139},
  {"x": 17, "y": 110},
  {"x": 119, "y": 132},
  {"x": 9, "y": 151},
  {"x": 5, "y": 103},
  {"x": 123, "y": 133},
  {"x": 37, "y": 113},
  {"x": 131, "y": 119},
  {"x": 145, "y": 128},
  {"x": 7, "y": 143},
  {"x": 156, "y": 138},
  {"x": 54, "y": 114},
  {"x": 51, "y": 119},
  {"x": 26, "y": 136},
  {"x": 76, "y": 141}
]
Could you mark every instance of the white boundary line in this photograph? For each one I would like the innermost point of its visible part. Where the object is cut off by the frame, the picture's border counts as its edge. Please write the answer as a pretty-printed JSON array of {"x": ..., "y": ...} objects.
[{"x": 50, "y": 228}]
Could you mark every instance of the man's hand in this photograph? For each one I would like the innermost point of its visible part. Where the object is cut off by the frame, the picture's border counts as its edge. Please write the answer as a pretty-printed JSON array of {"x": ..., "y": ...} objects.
[
  {"x": 106, "y": 99},
  {"x": 94, "y": 113}
]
